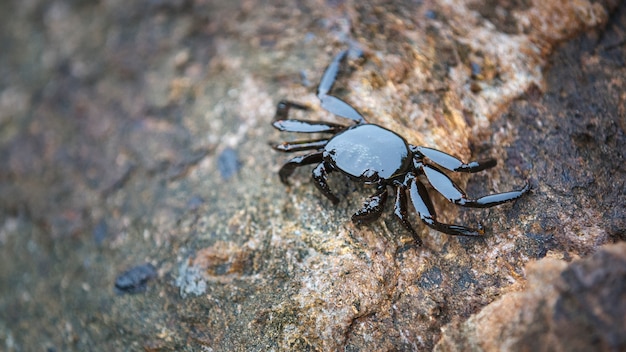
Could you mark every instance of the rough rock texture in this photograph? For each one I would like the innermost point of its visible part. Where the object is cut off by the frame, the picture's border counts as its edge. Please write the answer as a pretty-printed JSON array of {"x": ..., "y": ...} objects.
[
  {"x": 135, "y": 134},
  {"x": 564, "y": 307}
]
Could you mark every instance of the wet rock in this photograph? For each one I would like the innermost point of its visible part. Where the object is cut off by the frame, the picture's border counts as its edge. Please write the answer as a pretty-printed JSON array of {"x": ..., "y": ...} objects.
[
  {"x": 114, "y": 110},
  {"x": 578, "y": 306}
]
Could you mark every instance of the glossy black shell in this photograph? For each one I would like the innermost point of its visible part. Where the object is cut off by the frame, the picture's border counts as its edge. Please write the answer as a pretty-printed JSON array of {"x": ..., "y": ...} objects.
[{"x": 368, "y": 153}]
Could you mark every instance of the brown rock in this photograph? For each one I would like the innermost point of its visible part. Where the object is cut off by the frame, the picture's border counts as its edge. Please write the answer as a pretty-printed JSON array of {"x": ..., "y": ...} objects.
[{"x": 580, "y": 306}]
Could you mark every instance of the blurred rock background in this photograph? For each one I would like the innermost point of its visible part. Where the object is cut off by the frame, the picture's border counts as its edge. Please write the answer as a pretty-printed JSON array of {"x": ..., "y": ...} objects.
[{"x": 140, "y": 207}]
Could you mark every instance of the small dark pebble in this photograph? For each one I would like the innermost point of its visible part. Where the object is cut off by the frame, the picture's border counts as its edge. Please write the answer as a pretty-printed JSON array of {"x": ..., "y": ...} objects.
[
  {"x": 135, "y": 280},
  {"x": 228, "y": 163}
]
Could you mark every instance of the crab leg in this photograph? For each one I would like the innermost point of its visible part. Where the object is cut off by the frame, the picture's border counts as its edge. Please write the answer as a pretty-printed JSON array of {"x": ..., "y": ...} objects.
[
  {"x": 444, "y": 185},
  {"x": 282, "y": 109},
  {"x": 297, "y": 146},
  {"x": 400, "y": 211},
  {"x": 372, "y": 207},
  {"x": 340, "y": 108},
  {"x": 304, "y": 126},
  {"x": 320, "y": 175},
  {"x": 287, "y": 169},
  {"x": 332, "y": 103},
  {"x": 450, "y": 162},
  {"x": 424, "y": 207},
  {"x": 329, "y": 76}
]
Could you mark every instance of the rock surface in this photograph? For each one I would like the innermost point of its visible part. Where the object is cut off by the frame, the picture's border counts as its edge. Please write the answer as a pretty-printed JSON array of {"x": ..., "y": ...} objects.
[
  {"x": 136, "y": 134},
  {"x": 578, "y": 306}
]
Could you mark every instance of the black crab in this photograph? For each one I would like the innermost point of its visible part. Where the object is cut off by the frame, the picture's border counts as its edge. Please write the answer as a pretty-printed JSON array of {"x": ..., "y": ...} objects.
[{"x": 374, "y": 155}]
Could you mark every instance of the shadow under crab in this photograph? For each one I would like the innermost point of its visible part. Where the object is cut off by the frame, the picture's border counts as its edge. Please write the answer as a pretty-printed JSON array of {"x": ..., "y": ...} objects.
[{"x": 374, "y": 155}]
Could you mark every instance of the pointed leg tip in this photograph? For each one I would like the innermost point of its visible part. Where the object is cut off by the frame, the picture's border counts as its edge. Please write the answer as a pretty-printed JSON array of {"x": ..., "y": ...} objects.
[
  {"x": 362, "y": 219},
  {"x": 286, "y": 104},
  {"x": 284, "y": 180},
  {"x": 277, "y": 146},
  {"x": 278, "y": 124},
  {"x": 417, "y": 240},
  {"x": 357, "y": 218},
  {"x": 471, "y": 232},
  {"x": 528, "y": 187},
  {"x": 341, "y": 55}
]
